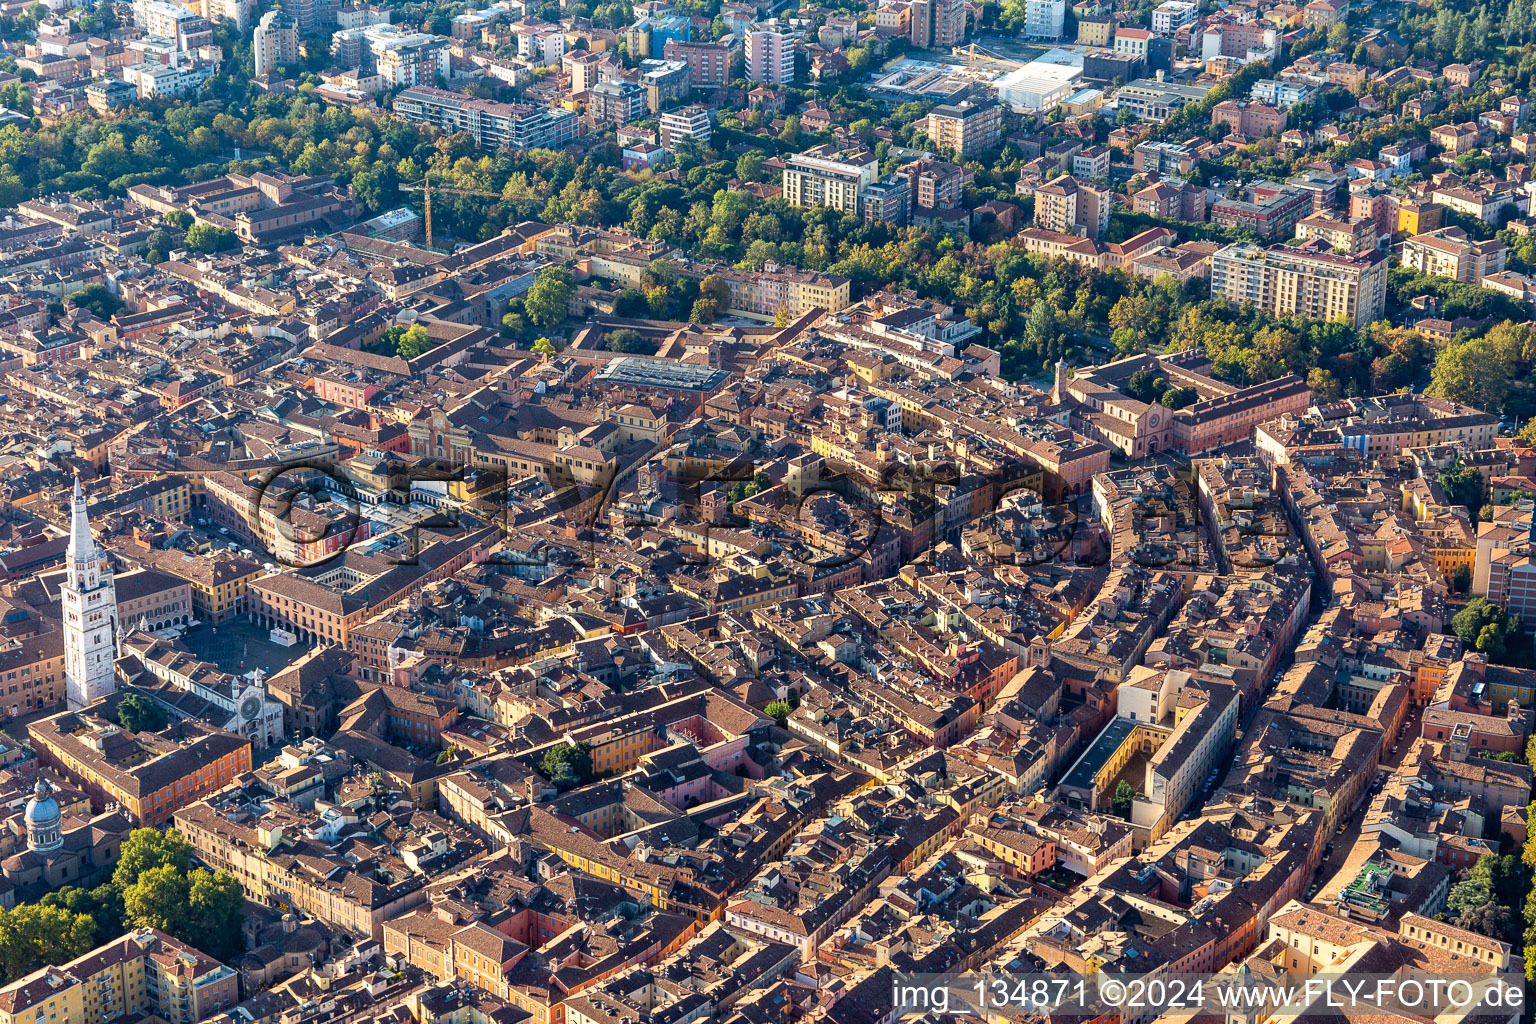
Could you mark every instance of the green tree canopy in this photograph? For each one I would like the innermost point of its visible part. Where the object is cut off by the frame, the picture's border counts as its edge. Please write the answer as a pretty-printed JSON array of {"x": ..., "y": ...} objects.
[
  {"x": 35, "y": 935},
  {"x": 210, "y": 238},
  {"x": 1125, "y": 796},
  {"x": 147, "y": 849},
  {"x": 548, "y": 302},
  {"x": 98, "y": 299},
  {"x": 567, "y": 764},
  {"x": 1484, "y": 626},
  {"x": 136, "y": 713}
]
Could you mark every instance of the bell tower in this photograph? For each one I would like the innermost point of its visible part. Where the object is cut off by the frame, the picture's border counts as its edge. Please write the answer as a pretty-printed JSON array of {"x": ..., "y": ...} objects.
[{"x": 90, "y": 614}]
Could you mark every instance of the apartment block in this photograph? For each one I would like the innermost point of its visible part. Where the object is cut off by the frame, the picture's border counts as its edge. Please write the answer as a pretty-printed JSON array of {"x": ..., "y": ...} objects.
[
  {"x": 827, "y": 176},
  {"x": 709, "y": 64},
  {"x": 1045, "y": 19},
  {"x": 967, "y": 127},
  {"x": 1449, "y": 252},
  {"x": 936, "y": 24},
  {"x": 1268, "y": 209},
  {"x": 142, "y": 975},
  {"x": 615, "y": 103},
  {"x": 492, "y": 125},
  {"x": 1072, "y": 207},
  {"x": 770, "y": 55},
  {"x": 275, "y": 42},
  {"x": 1248, "y": 119},
  {"x": 1306, "y": 280},
  {"x": 685, "y": 124}
]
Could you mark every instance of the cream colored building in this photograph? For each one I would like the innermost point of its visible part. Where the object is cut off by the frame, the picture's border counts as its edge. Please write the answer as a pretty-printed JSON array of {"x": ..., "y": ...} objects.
[{"x": 1302, "y": 281}]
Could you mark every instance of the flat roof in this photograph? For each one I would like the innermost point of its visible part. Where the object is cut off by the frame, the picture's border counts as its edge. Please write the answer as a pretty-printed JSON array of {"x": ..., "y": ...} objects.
[
  {"x": 661, "y": 373},
  {"x": 1105, "y": 744}
]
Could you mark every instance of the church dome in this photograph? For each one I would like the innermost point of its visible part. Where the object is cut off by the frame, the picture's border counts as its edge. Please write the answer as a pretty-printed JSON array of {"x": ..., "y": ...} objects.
[{"x": 42, "y": 809}]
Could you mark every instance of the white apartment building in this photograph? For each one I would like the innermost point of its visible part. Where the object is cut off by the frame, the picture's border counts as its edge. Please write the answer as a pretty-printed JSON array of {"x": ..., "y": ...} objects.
[
  {"x": 686, "y": 123},
  {"x": 238, "y": 11},
  {"x": 167, "y": 81},
  {"x": 1171, "y": 15},
  {"x": 1045, "y": 19}
]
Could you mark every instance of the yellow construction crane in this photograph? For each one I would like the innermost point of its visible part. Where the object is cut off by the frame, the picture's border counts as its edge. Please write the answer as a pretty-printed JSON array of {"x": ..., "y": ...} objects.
[
  {"x": 424, "y": 186},
  {"x": 974, "y": 52}
]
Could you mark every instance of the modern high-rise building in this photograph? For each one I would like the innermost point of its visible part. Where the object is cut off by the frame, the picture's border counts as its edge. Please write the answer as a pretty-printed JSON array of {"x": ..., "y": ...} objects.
[
  {"x": 275, "y": 42},
  {"x": 825, "y": 176},
  {"x": 237, "y": 11},
  {"x": 770, "y": 55},
  {"x": 966, "y": 127},
  {"x": 616, "y": 103},
  {"x": 313, "y": 15},
  {"x": 936, "y": 24},
  {"x": 1307, "y": 280},
  {"x": 1045, "y": 19},
  {"x": 397, "y": 55},
  {"x": 166, "y": 20},
  {"x": 90, "y": 613}
]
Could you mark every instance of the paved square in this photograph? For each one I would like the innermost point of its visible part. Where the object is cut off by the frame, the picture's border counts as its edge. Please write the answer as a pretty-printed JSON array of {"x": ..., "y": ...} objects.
[{"x": 238, "y": 646}]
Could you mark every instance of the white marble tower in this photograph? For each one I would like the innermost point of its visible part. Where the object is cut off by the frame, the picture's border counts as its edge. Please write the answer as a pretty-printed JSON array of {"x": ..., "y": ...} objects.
[{"x": 90, "y": 614}]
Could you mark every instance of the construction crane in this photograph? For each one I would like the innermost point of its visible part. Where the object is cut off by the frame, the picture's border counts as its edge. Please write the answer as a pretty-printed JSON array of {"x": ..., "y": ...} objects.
[
  {"x": 974, "y": 52},
  {"x": 424, "y": 186}
]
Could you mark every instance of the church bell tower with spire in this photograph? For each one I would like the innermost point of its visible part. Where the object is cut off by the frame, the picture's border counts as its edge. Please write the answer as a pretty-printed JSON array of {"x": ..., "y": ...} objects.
[{"x": 90, "y": 614}]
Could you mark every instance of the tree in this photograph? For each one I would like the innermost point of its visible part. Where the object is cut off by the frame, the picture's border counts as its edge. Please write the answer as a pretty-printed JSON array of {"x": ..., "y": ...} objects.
[
  {"x": 1462, "y": 485},
  {"x": 1139, "y": 386},
  {"x": 210, "y": 238},
  {"x": 1178, "y": 398},
  {"x": 628, "y": 341},
  {"x": 444, "y": 756},
  {"x": 216, "y": 905},
  {"x": 1324, "y": 385},
  {"x": 749, "y": 166},
  {"x": 1125, "y": 795},
  {"x": 1461, "y": 579},
  {"x": 1527, "y": 433},
  {"x": 779, "y": 711},
  {"x": 1493, "y": 920},
  {"x": 1501, "y": 875},
  {"x": 548, "y": 302},
  {"x": 98, "y": 299},
  {"x": 159, "y": 898},
  {"x": 413, "y": 342},
  {"x": 1472, "y": 372},
  {"x": 567, "y": 764},
  {"x": 1467, "y": 895},
  {"x": 545, "y": 347},
  {"x": 35, "y": 935},
  {"x": 103, "y": 905},
  {"x": 136, "y": 713},
  {"x": 714, "y": 289},
  {"x": 1484, "y": 626},
  {"x": 147, "y": 849}
]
